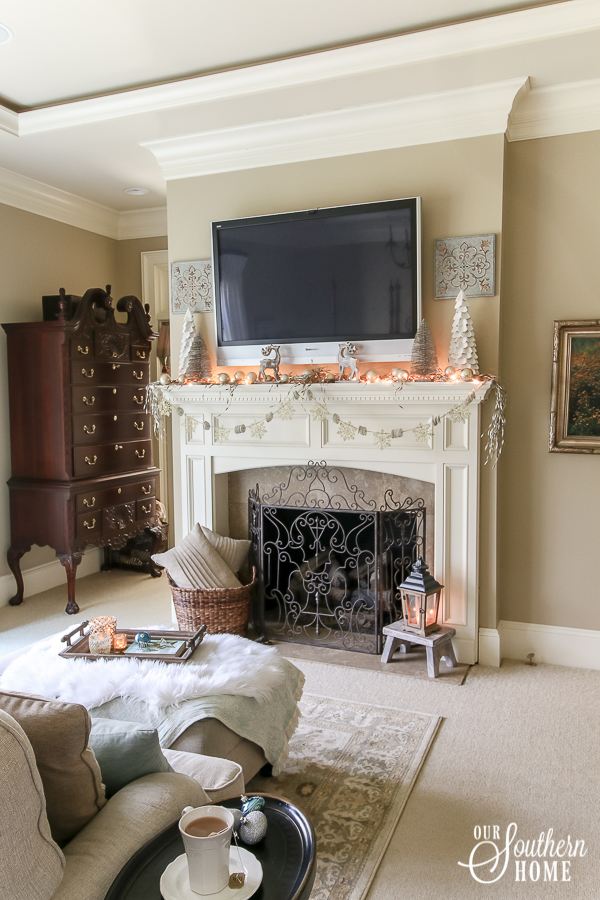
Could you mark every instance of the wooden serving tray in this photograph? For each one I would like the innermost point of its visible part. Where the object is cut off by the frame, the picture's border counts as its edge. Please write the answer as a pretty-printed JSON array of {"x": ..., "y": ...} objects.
[{"x": 79, "y": 647}]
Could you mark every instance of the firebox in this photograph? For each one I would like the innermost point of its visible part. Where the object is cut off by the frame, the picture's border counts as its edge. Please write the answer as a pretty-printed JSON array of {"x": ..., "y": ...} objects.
[{"x": 329, "y": 561}]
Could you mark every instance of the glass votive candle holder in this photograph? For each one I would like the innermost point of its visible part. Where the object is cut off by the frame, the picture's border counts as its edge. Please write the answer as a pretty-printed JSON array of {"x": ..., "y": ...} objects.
[
  {"x": 119, "y": 643},
  {"x": 100, "y": 642},
  {"x": 103, "y": 623}
]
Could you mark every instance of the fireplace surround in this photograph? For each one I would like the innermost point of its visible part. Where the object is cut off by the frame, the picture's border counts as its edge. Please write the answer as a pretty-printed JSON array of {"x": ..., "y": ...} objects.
[{"x": 449, "y": 460}]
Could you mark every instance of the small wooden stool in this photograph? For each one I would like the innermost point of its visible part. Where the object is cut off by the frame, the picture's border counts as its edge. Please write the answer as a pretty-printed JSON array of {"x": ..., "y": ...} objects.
[{"x": 438, "y": 645}]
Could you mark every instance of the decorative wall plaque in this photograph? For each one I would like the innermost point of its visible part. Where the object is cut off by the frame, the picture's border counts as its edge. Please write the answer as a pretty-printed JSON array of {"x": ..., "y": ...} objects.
[
  {"x": 191, "y": 286},
  {"x": 465, "y": 264}
]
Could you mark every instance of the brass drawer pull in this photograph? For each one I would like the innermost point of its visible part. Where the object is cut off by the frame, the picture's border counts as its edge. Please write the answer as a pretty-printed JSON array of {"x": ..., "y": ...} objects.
[
  {"x": 139, "y": 426},
  {"x": 114, "y": 390},
  {"x": 139, "y": 400},
  {"x": 89, "y": 402},
  {"x": 91, "y": 462},
  {"x": 114, "y": 418},
  {"x": 147, "y": 509},
  {"x": 118, "y": 446},
  {"x": 89, "y": 503},
  {"x": 115, "y": 355},
  {"x": 139, "y": 377},
  {"x": 141, "y": 354},
  {"x": 89, "y": 430},
  {"x": 140, "y": 454},
  {"x": 82, "y": 351},
  {"x": 116, "y": 365},
  {"x": 146, "y": 490},
  {"x": 91, "y": 375},
  {"x": 89, "y": 527}
]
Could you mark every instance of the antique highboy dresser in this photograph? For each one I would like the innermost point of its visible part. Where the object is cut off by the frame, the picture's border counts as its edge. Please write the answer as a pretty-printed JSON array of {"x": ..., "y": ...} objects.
[{"x": 82, "y": 471}]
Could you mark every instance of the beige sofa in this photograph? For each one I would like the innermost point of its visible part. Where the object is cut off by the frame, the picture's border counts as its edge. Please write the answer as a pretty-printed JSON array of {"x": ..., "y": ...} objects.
[{"x": 54, "y": 796}]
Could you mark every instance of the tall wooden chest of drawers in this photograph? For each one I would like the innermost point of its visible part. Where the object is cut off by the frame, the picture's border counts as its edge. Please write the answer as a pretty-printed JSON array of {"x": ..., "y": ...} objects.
[{"x": 82, "y": 470}]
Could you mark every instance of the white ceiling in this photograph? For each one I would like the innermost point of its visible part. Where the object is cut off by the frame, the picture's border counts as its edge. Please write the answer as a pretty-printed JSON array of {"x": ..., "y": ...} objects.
[{"x": 91, "y": 148}]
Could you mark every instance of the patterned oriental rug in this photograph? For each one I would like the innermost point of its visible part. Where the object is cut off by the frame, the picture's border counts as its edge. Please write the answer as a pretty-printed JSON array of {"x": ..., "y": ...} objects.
[{"x": 351, "y": 769}]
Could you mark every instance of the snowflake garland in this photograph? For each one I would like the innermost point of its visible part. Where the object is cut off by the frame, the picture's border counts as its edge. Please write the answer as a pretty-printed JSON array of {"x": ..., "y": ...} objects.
[
  {"x": 286, "y": 411},
  {"x": 383, "y": 439},
  {"x": 320, "y": 412},
  {"x": 347, "y": 431},
  {"x": 459, "y": 413},
  {"x": 221, "y": 434},
  {"x": 190, "y": 424},
  {"x": 423, "y": 432},
  {"x": 258, "y": 429},
  {"x": 164, "y": 407}
]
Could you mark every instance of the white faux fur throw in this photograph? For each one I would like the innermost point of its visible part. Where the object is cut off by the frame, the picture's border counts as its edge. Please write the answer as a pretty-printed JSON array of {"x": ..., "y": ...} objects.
[{"x": 222, "y": 664}]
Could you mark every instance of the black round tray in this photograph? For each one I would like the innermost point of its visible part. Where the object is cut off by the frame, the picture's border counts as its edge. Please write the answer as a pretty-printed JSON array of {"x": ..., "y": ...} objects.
[{"x": 287, "y": 855}]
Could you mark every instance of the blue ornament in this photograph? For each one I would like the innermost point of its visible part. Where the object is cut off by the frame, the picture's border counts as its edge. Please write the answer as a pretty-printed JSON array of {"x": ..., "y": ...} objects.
[
  {"x": 253, "y": 827},
  {"x": 143, "y": 639},
  {"x": 253, "y": 804}
]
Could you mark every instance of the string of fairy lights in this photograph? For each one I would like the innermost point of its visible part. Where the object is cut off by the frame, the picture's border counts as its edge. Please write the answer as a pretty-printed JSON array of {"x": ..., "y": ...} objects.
[{"x": 295, "y": 391}]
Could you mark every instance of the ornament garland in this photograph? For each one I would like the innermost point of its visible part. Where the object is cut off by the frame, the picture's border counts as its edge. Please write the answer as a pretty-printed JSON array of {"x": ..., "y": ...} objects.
[{"x": 299, "y": 390}]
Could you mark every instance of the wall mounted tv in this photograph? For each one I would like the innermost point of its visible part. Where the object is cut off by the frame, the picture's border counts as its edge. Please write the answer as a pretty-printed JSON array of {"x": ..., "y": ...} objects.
[{"x": 312, "y": 279}]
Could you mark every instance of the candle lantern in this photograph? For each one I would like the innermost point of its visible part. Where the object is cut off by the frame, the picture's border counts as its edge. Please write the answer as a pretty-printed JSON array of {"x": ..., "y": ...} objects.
[
  {"x": 119, "y": 643},
  {"x": 420, "y": 595}
]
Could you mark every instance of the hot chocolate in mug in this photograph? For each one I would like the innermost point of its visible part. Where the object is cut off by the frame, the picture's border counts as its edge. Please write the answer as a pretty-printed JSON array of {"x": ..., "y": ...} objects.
[{"x": 206, "y": 833}]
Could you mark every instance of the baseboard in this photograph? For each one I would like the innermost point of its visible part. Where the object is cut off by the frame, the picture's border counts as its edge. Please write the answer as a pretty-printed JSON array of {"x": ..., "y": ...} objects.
[
  {"x": 552, "y": 644},
  {"x": 49, "y": 575},
  {"x": 489, "y": 647}
]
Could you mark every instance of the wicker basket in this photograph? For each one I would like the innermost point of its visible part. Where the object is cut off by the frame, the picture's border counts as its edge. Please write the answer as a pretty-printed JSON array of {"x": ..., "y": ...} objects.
[{"x": 223, "y": 610}]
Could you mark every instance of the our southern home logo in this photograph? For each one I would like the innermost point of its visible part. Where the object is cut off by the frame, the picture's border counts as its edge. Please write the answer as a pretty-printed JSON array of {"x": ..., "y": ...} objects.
[{"x": 544, "y": 858}]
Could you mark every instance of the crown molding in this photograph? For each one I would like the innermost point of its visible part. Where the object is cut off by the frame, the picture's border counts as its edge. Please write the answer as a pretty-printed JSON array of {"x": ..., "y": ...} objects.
[
  {"x": 52, "y": 203},
  {"x": 431, "y": 118},
  {"x": 9, "y": 121},
  {"x": 562, "y": 109},
  {"x": 142, "y": 223},
  {"x": 508, "y": 29}
]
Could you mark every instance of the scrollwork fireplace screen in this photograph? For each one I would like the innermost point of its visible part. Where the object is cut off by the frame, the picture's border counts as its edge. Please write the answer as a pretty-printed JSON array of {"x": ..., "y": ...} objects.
[{"x": 329, "y": 561}]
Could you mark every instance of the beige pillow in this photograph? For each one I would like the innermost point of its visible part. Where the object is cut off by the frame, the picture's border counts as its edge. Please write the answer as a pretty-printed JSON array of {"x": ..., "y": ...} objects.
[
  {"x": 233, "y": 552},
  {"x": 195, "y": 564},
  {"x": 58, "y": 733}
]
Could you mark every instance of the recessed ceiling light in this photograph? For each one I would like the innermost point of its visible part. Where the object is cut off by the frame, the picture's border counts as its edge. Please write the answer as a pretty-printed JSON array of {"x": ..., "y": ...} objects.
[
  {"x": 6, "y": 34},
  {"x": 137, "y": 192}
]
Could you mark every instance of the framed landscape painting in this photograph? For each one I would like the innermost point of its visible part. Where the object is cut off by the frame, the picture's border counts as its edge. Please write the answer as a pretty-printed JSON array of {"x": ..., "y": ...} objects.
[{"x": 575, "y": 406}]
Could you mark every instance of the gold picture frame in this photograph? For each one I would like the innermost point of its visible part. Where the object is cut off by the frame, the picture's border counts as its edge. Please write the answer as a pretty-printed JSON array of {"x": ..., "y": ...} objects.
[{"x": 575, "y": 403}]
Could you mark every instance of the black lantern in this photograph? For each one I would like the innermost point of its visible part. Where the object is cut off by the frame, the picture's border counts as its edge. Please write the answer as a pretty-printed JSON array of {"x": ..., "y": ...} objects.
[{"x": 420, "y": 595}]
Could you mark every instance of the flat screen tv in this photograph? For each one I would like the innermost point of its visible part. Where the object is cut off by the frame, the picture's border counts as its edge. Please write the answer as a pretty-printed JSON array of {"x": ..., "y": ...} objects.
[{"x": 312, "y": 279}]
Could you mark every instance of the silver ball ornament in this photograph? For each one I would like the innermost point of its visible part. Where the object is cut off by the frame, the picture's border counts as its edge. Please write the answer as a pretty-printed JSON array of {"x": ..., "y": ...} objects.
[
  {"x": 330, "y": 378},
  {"x": 253, "y": 827},
  {"x": 284, "y": 379},
  {"x": 402, "y": 374},
  {"x": 237, "y": 815},
  {"x": 466, "y": 374},
  {"x": 239, "y": 376},
  {"x": 223, "y": 377},
  {"x": 371, "y": 375},
  {"x": 165, "y": 379},
  {"x": 181, "y": 378},
  {"x": 308, "y": 375},
  {"x": 449, "y": 370},
  {"x": 251, "y": 377}
]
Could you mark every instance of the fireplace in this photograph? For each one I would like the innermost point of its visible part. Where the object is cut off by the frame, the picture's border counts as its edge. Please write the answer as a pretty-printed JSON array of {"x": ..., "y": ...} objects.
[
  {"x": 329, "y": 559},
  {"x": 208, "y": 461}
]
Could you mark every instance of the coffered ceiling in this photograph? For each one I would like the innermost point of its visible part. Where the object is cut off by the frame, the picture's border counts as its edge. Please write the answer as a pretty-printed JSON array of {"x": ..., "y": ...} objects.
[{"x": 98, "y": 99}]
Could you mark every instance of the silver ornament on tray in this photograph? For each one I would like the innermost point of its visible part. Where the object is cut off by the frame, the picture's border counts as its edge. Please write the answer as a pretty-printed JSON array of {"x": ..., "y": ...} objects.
[{"x": 253, "y": 827}]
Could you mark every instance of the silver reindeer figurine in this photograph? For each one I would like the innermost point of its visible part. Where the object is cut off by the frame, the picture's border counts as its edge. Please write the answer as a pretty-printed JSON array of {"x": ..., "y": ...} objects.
[
  {"x": 347, "y": 359},
  {"x": 268, "y": 363}
]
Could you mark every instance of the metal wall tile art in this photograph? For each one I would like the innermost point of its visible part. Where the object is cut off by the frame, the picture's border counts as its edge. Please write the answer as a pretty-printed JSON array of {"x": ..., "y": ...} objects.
[
  {"x": 191, "y": 286},
  {"x": 465, "y": 264}
]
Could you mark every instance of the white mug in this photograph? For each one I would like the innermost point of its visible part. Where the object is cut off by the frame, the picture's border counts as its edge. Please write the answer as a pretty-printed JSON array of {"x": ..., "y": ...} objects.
[{"x": 208, "y": 857}]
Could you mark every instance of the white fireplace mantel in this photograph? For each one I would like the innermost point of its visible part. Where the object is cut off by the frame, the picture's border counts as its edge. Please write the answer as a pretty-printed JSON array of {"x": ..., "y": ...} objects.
[{"x": 450, "y": 460}]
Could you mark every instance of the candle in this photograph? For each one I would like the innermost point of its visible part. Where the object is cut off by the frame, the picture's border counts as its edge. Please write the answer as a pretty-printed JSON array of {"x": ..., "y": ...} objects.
[
  {"x": 103, "y": 623},
  {"x": 119, "y": 643},
  {"x": 100, "y": 642}
]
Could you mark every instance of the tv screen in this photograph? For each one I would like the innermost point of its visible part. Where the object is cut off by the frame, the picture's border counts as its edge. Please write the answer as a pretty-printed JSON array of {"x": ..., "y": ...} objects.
[{"x": 318, "y": 277}]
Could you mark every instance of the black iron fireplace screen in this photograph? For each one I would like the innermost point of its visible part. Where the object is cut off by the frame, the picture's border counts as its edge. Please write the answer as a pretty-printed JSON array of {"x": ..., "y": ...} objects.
[{"x": 329, "y": 561}]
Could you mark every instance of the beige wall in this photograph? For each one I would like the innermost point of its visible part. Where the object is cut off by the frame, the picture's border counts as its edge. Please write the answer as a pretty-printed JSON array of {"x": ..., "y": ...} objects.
[
  {"x": 37, "y": 257},
  {"x": 460, "y": 183},
  {"x": 549, "y": 503}
]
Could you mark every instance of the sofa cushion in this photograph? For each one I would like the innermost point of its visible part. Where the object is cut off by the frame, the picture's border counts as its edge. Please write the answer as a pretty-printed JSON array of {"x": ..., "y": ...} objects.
[
  {"x": 31, "y": 863},
  {"x": 125, "y": 751},
  {"x": 59, "y": 734},
  {"x": 220, "y": 778},
  {"x": 195, "y": 564},
  {"x": 233, "y": 552}
]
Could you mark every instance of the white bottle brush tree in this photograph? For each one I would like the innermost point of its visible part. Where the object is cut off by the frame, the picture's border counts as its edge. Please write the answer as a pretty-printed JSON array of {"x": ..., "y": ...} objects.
[
  {"x": 186, "y": 341},
  {"x": 463, "y": 349}
]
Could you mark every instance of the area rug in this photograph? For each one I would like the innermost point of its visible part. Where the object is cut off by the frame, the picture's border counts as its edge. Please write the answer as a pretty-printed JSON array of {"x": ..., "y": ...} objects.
[{"x": 351, "y": 768}]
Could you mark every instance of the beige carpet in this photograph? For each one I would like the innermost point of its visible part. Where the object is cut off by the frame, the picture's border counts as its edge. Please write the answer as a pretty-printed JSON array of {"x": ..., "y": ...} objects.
[
  {"x": 351, "y": 768},
  {"x": 518, "y": 744}
]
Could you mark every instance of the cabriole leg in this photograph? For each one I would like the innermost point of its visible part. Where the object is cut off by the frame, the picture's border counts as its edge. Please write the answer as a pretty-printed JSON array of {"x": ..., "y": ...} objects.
[
  {"x": 13, "y": 557},
  {"x": 70, "y": 563}
]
